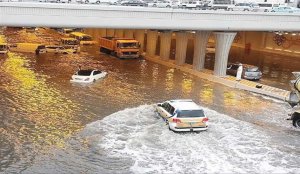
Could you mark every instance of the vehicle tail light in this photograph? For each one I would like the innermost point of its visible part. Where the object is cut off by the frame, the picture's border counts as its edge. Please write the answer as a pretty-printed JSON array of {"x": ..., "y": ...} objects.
[
  {"x": 176, "y": 120},
  {"x": 204, "y": 120},
  {"x": 87, "y": 79}
]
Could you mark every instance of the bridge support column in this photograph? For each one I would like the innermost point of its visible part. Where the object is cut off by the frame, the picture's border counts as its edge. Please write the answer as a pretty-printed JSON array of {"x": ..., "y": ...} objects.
[
  {"x": 110, "y": 32},
  {"x": 151, "y": 42},
  {"x": 181, "y": 47},
  {"x": 95, "y": 34},
  {"x": 223, "y": 44},
  {"x": 139, "y": 35},
  {"x": 201, "y": 39},
  {"x": 119, "y": 33},
  {"x": 165, "y": 44},
  {"x": 128, "y": 33},
  {"x": 102, "y": 32}
]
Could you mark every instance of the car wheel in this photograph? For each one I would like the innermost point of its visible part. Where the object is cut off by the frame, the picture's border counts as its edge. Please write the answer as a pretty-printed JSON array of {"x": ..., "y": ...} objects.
[
  {"x": 98, "y": 2},
  {"x": 154, "y": 5},
  {"x": 296, "y": 122},
  {"x": 168, "y": 6},
  {"x": 94, "y": 80},
  {"x": 86, "y": 1},
  {"x": 58, "y": 1}
]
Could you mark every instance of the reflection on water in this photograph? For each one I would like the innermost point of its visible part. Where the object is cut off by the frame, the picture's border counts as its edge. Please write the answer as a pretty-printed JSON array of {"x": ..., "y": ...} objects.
[
  {"x": 41, "y": 109},
  {"x": 277, "y": 69},
  {"x": 34, "y": 112}
]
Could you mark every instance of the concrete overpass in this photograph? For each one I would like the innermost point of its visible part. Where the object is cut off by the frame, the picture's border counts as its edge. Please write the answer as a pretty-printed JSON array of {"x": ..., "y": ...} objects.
[
  {"x": 97, "y": 16},
  {"x": 157, "y": 21}
]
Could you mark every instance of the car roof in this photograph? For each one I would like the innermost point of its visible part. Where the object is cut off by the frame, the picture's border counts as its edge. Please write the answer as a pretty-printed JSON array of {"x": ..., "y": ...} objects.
[{"x": 187, "y": 104}]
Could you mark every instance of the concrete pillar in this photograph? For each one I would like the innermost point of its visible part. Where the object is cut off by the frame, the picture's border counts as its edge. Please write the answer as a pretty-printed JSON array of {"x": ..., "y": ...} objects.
[
  {"x": 200, "y": 43},
  {"x": 139, "y": 35},
  {"x": 94, "y": 34},
  {"x": 87, "y": 31},
  {"x": 223, "y": 44},
  {"x": 102, "y": 32},
  {"x": 181, "y": 46},
  {"x": 110, "y": 32},
  {"x": 165, "y": 44},
  {"x": 128, "y": 33},
  {"x": 151, "y": 42},
  {"x": 119, "y": 33}
]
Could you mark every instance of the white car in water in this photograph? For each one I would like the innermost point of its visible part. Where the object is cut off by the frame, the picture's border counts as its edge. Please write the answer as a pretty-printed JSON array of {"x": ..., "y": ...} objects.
[
  {"x": 182, "y": 115},
  {"x": 87, "y": 76}
]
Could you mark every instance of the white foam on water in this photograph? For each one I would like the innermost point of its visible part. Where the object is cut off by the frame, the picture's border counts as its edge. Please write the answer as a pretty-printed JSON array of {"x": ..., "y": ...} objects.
[{"x": 228, "y": 146}]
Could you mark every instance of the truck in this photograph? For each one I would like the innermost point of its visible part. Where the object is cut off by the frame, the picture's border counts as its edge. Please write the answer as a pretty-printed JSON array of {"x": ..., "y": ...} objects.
[
  {"x": 123, "y": 48},
  {"x": 294, "y": 100}
]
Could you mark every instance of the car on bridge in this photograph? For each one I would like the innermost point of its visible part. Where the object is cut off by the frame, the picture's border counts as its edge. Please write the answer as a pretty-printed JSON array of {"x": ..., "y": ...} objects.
[
  {"x": 110, "y": 2},
  {"x": 286, "y": 9},
  {"x": 88, "y": 76},
  {"x": 182, "y": 115},
  {"x": 241, "y": 7},
  {"x": 134, "y": 3},
  {"x": 161, "y": 4},
  {"x": 250, "y": 72},
  {"x": 192, "y": 5}
]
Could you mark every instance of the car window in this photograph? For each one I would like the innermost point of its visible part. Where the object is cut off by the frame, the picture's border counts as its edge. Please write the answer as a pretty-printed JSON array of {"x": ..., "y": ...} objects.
[
  {"x": 190, "y": 113},
  {"x": 97, "y": 72},
  {"x": 171, "y": 110},
  {"x": 164, "y": 105},
  {"x": 84, "y": 72},
  {"x": 234, "y": 67}
]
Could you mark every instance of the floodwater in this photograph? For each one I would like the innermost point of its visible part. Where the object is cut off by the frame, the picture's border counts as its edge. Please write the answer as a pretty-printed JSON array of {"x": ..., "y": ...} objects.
[{"x": 49, "y": 125}]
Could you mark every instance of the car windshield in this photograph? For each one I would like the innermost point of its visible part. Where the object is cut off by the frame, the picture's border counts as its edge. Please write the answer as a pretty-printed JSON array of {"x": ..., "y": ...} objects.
[
  {"x": 190, "y": 113},
  {"x": 129, "y": 45},
  {"x": 84, "y": 72},
  {"x": 41, "y": 47}
]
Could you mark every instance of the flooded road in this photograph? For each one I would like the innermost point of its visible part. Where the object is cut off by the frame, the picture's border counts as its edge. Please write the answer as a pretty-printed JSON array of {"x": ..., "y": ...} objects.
[{"x": 49, "y": 125}]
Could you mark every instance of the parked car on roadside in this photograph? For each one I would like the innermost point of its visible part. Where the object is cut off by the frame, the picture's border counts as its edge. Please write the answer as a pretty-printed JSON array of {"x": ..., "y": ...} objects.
[
  {"x": 182, "y": 115},
  {"x": 134, "y": 3},
  {"x": 88, "y": 76},
  {"x": 286, "y": 9},
  {"x": 250, "y": 72}
]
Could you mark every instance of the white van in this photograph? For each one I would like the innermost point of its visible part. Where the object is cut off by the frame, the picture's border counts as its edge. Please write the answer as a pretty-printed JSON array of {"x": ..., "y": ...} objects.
[
  {"x": 266, "y": 6},
  {"x": 28, "y": 48}
]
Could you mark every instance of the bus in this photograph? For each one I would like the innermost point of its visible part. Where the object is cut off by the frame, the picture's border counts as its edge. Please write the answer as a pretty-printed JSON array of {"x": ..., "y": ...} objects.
[
  {"x": 83, "y": 39},
  {"x": 3, "y": 48}
]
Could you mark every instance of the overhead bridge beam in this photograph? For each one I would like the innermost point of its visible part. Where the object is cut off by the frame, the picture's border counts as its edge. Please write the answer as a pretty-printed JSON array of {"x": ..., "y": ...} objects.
[{"x": 97, "y": 16}]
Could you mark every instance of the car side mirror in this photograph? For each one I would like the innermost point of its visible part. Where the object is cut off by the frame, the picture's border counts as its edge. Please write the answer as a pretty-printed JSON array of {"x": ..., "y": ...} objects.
[{"x": 159, "y": 104}]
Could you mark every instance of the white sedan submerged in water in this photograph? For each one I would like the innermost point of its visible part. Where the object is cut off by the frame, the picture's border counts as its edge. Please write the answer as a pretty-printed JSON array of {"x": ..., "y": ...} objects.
[{"x": 88, "y": 76}]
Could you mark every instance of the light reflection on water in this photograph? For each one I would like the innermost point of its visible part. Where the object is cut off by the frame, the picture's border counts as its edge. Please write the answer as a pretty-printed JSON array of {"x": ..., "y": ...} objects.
[
  {"x": 42, "y": 108},
  {"x": 36, "y": 113}
]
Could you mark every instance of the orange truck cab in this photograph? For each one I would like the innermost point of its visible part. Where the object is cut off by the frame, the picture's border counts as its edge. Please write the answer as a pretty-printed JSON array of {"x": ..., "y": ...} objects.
[{"x": 120, "y": 47}]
